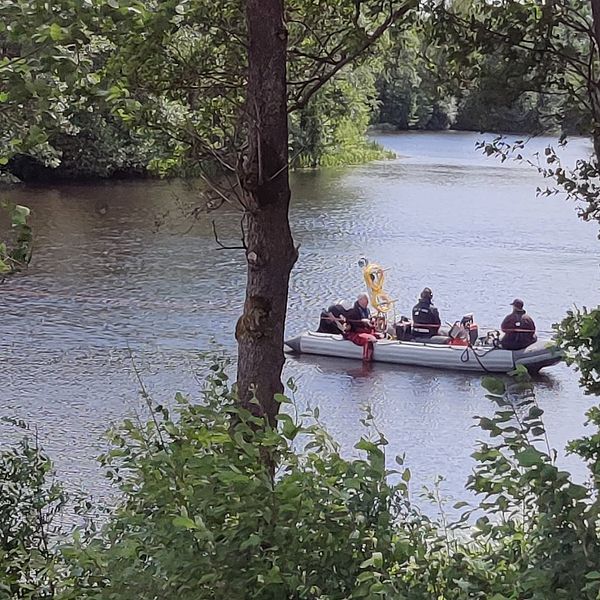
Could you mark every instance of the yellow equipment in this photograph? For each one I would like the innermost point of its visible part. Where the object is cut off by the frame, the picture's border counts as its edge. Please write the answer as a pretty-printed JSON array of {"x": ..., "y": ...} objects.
[{"x": 375, "y": 278}]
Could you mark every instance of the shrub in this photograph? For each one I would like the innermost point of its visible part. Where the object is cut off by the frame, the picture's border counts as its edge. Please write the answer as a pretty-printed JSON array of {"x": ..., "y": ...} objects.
[
  {"x": 216, "y": 504},
  {"x": 30, "y": 565}
]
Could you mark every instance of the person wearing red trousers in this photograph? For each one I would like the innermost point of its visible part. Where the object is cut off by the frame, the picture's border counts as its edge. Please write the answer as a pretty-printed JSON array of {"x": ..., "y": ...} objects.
[{"x": 360, "y": 330}]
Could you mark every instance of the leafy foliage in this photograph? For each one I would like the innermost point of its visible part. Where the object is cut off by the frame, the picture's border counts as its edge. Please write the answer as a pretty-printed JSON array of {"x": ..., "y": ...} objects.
[
  {"x": 30, "y": 566},
  {"x": 111, "y": 88},
  {"x": 543, "y": 524},
  {"x": 514, "y": 48},
  {"x": 113, "y": 73},
  {"x": 412, "y": 85},
  {"x": 544, "y": 60},
  {"x": 45, "y": 59},
  {"x": 204, "y": 518},
  {"x": 579, "y": 335},
  {"x": 202, "y": 515},
  {"x": 330, "y": 131},
  {"x": 16, "y": 254}
]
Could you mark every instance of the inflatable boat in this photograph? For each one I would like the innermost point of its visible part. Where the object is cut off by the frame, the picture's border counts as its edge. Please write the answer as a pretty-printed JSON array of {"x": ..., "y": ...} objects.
[{"x": 479, "y": 357}]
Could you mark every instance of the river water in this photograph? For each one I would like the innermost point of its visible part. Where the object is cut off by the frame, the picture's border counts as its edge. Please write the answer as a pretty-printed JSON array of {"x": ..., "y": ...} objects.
[{"x": 121, "y": 268}]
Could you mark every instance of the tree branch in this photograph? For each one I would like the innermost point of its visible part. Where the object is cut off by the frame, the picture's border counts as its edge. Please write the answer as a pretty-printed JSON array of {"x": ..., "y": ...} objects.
[
  {"x": 222, "y": 246},
  {"x": 304, "y": 97}
]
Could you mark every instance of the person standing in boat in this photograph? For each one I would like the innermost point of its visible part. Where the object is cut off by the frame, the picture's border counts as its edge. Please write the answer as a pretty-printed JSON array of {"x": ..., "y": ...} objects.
[
  {"x": 426, "y": 318},
  {"x": 518, "y": 328},
  {"x": 361, "y": 331}
]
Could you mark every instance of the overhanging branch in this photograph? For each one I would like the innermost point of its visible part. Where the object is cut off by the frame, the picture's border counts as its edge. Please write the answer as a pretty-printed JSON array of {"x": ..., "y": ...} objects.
[{"x": 304, "y": 97}]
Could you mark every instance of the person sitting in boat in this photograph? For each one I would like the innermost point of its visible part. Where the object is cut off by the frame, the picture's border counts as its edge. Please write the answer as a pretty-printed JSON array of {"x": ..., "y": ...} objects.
[
  {"x": 426, "y": 318},
  {"x": 518, "y": 328},
  {"x": 333, "y": 320},
  {"x": 361, "y": 331}
]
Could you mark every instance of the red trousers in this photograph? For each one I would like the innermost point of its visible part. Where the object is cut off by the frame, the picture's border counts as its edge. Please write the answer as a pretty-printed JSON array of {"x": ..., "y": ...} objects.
[{"x": 364, "y": 339}]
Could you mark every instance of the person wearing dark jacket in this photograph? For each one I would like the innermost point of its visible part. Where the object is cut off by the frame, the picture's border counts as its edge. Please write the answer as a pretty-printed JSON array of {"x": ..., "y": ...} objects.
[
  {"x": 361, "y": 331},
  {"x": 359, "y": 316},
  {"x": 518, "y": 328},
  {"x": 333, "y": 320},
  {"x": 426, "y": 318}
]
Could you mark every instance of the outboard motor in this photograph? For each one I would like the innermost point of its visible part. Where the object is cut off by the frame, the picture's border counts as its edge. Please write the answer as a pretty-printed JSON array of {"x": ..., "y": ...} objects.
[
  {"x": 472, "y": 328},
  {"x": 459, "y": 336},
  {"x": 464, "y": 332}
]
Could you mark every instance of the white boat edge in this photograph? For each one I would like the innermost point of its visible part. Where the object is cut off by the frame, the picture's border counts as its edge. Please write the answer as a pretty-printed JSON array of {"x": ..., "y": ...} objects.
[{"x": 481, "y": 359}]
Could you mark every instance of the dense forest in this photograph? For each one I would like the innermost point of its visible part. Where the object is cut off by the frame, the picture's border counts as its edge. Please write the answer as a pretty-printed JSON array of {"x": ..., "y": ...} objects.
[{"x": 108, "y": 86}]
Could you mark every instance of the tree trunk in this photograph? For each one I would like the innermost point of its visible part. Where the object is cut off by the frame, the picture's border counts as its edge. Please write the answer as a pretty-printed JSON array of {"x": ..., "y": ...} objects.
[
  {"x": 270, "y": 250},
  {"x": 596, "y": 19},
  {"x": 594, "y": 84}
]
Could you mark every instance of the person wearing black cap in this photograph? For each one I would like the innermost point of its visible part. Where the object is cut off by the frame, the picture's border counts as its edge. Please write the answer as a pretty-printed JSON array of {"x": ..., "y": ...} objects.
[
  {"x": 518, "y": 328},
  {"x": 426, "y": 318}
]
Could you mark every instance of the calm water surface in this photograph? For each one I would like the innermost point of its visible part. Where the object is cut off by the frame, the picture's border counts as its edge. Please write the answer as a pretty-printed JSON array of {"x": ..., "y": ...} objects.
[{"x": 117, "y": 267}]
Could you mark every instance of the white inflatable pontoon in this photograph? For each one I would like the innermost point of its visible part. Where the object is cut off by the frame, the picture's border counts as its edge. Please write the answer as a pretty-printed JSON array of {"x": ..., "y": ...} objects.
[{"x": 478, "y": 358}]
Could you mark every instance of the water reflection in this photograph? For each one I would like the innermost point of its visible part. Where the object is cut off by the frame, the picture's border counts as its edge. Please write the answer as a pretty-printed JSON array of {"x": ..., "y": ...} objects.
[{"x": 106, "y": 282}]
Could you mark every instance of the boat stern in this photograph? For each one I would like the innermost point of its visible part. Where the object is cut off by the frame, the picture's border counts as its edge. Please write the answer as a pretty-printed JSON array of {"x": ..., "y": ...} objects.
[{"x": 538, "y": 355}]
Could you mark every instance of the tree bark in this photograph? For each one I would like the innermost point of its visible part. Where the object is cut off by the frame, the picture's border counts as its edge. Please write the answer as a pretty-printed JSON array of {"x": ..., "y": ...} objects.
[
  {"x": 594, "y": 84},
  {"x": 596, "y": 20},
  {"x": 270, "y": 250}
]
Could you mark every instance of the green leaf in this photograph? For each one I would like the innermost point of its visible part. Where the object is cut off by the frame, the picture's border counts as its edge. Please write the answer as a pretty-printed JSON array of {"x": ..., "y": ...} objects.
[
  {"x": 20, "y": 215},
  {"x": 493, "y": 385},
  {"x": 593, "y": 575},
  {"x": 535, "y": 412},
  {"x": 4, "y": 268},
  {"x": 184, "y": 523},
  {"x": 577, "y": 492},
  {"x": 289, "y": 429},
  {"x": 36, "y": 135},
  {"x": 366, "y": 445},
  {"x": 530, "y": 457},
  {"x": 57, "y": 33}
]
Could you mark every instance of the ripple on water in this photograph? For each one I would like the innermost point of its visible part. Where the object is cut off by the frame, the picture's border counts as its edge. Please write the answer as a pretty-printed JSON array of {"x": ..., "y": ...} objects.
[{"x": 106, "y": 281}]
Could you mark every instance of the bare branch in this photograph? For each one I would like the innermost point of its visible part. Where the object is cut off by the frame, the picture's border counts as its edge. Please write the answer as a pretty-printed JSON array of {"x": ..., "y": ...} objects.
[{"x": 222, "y": 246}]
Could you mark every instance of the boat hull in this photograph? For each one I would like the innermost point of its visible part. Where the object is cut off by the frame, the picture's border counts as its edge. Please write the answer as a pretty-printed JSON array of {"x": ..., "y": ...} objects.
[{"x": 482, "y": 359}]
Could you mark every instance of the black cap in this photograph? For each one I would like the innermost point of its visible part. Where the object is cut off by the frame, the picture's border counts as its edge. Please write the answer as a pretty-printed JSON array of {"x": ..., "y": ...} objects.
[
  {"x": 517, "y": 303},
  {"x": 426, "y": 293}
]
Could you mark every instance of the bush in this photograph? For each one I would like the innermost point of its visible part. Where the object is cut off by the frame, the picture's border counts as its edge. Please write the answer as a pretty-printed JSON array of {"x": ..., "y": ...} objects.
[
  {"x": 216, "y": 504},
  {"x": 30, "y": 565},
  {"x": 203, "y": 517},
  {"x": 16, "y": 253}
]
